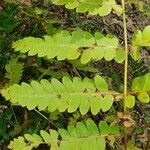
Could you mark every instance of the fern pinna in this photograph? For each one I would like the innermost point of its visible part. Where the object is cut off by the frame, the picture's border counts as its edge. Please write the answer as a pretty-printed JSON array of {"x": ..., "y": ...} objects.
[
  {"x": 83, "y": 94},
  {"x": 67, "y": 45},
  {"x": 94, "y": 7},
  {"x": 14, "y": 71},
  {"x": 140, "y": 39},
  {"x": 81, "y": 136}
]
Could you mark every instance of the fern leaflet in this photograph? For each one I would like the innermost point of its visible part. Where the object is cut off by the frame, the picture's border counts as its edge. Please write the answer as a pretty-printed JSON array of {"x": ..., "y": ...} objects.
[
  {"x": 94, "y": 7},
  {"x": 85, "y": 136},
  {"x": 83, "y": 94},
  {"x": 140, "y": 39},
  {"x": 14, "y": 71},
  {"x": 142, "y": 86},
  {"x": 66, "y": 45}
]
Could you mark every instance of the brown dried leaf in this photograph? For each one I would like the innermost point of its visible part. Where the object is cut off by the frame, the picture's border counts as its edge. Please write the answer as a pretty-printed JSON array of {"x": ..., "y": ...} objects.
[
  {"x": 129, "y": 123},
  {"x": 127, "y": 115},
  {"x": 118, "y": 98},
  {"x": 120, "y": 115}
]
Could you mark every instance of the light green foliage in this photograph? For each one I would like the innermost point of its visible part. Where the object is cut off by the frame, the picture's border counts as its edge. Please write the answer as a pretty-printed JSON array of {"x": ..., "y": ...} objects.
[
  {"x": 130, "y": 101},
  {"x": 14, "y": 71},
  {"x": 144, "y": 97},
  {"x": 94, "y": 7},
  {"x": 76, "y": 95},
  {"x": 139, "y": 39},
  {"x": 100, "y": 83},
  {"x": 142, "y": 38},
  {"x": 142, "y": 86},
  {"x": 105, "y": 129},
  {"x": 83, "y": 94},
  {"x": 135, "y": 53},
  {"x": 85, "y": 136},
  {"x": 120, "y": 55},
  {"x": 66, "y": 45}
]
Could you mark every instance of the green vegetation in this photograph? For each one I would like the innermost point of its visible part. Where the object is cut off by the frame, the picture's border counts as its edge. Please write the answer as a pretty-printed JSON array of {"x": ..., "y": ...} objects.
[{"x": 74, "y": 74}]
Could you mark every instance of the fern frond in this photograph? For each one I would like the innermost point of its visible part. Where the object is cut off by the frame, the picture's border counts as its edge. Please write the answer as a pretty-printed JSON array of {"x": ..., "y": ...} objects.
[
  {"x": 85, "y": 136},
  {"x": 14, "y": 71},
  {"x": 83, "y": 94},
  {"x": 140, "y": 39},
  {"x": 66, "y": 45},
  {"x": 94, "y": 7},
  {"x": 142, "y": 86}
]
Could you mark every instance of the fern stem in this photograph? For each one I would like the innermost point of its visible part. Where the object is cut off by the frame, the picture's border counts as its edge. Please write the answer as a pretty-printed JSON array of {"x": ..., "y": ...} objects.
[
  {"x": 43, "y": 74},
  {"x": 76, "y": 72},
  {"x": 41, "y": 115},
  {"x": 125, "y": 67},
  {"x": 14, "y": 114},
  {"x": 126, "y": 52},
  {"x": 45, "y": 118}
]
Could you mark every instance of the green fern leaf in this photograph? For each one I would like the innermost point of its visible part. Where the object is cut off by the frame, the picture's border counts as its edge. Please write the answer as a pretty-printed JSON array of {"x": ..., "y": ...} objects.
[
  {"x": 66, "y": 45},
  {"x": 94, "y": 7},
  {"x": 81, "y": 136},
  {"x": 66, "y": 95},
  {"x": 139, "y": 39},
  {"x": 105, "y": 129},
  {"x": 141, "y": 83},
  {"x": 142, "y": 38},
  {"x": 130, "y": 101},
  {"x": 107, "y": 102},
  {"x": 100, "y": 83},
  {"x": 142, "y": 86},
  {"x": 120, "y": 56},
  {"x": 14, "y": 71},
  {"x": 18, "y": 144},
  {"x": 143, "y": 97}
]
